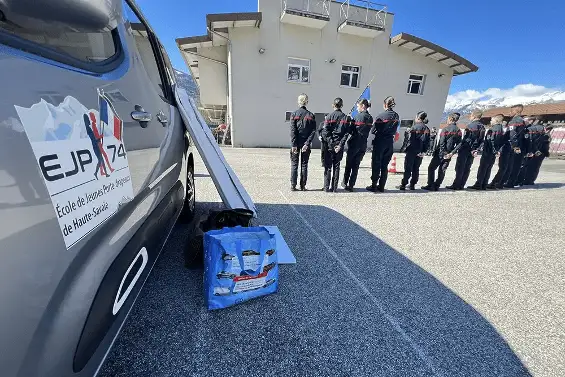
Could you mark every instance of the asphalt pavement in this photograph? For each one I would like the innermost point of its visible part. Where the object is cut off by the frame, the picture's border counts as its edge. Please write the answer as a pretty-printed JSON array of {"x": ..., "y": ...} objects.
[{"x": 395, "y": 284}]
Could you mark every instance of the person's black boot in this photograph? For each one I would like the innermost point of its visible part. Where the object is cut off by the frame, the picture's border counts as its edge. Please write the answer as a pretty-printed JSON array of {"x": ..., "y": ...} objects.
[
  {"x": 411, "y": 188},
  {"x": 292, "y": 188},
  {"x": 371, "y": 188},
  {"x": 401, "y": 188}
]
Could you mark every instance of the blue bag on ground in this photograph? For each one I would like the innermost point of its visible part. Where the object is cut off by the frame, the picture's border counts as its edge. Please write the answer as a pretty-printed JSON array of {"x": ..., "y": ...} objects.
[{"x": 239, "y": 264}]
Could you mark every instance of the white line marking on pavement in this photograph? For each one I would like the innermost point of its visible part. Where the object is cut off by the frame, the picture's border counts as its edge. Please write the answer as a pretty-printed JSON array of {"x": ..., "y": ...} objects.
[{"x": 393, "y": 322}]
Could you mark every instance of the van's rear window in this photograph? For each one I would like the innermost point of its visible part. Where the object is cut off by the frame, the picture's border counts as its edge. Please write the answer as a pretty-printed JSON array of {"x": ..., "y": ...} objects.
[{"x": 84, "y": 46}]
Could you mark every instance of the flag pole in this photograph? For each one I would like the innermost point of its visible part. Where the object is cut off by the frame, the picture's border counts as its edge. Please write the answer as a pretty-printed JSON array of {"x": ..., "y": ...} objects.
[{"x": 369, "y": 84}]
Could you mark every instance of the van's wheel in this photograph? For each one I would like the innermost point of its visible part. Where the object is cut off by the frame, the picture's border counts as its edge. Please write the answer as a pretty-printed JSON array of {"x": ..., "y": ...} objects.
[{"x": 189, "y": 207}]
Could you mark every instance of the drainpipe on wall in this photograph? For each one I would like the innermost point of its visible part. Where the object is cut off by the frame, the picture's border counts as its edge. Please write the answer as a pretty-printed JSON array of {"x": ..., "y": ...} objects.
[{"x": 229, "y": 84}]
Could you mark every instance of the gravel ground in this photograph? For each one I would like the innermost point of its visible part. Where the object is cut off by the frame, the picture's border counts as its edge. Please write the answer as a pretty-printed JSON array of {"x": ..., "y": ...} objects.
[{"x": 394, "y": 284}]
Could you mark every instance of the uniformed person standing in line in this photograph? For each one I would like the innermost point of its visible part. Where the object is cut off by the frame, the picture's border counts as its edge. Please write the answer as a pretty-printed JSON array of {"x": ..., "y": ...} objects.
[
  {"x": 406, "y": 140},
  {"x": 449, "y": 139},
  {"x": 493, "y": 143},
  {"x": 527, "y": 144},
  {"x": 540, "y": 141},
  {"x": 502, "y": 141},
  {"x": 384, "y": 128},
  {"x": 467, "y": 150},
  {"x": 302, "y": 131},
  {"x": 323, "y": 146},
  {"x": 416, "y": 147},
  {"x": 334, "y": 134},
  {"x": 433, "y": 134},
  {"x": 517, "y": 128},
  {"x": 357, "y": 143}
]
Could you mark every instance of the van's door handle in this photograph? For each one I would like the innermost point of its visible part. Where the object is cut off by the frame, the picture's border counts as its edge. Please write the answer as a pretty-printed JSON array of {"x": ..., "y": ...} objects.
[
  {"x": 162, "y": 118},
  {"x": 142, "y": 116}
]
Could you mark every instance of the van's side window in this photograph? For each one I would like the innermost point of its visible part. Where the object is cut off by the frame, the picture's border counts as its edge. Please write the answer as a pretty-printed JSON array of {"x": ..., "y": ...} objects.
[
  {"x": 140, "y": 34},
  {"x": 87, "y": 39}
]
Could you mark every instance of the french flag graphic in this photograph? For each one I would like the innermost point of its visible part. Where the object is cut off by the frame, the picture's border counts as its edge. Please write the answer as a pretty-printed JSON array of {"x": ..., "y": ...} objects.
[{"x": 109, "y": 117}]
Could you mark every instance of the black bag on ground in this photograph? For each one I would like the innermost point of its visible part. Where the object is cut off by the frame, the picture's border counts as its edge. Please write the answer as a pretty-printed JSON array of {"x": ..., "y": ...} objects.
[{"x": 229, "y": 218}]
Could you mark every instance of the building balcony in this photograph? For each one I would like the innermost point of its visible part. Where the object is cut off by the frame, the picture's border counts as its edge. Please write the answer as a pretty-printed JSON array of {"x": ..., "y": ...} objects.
[
  {"x": 309, "y": 13},
  {"x": 362, "y": 18}
]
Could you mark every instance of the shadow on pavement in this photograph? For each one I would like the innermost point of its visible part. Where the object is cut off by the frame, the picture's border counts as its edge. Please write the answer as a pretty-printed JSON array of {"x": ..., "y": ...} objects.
[
  {"x": 351, "y": 306},
  {"x": 542, "y": 186}
]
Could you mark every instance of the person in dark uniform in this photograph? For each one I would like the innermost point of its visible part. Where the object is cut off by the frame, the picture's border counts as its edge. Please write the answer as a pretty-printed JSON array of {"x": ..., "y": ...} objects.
[
  {"x": 334, "y": 134},
  {"x": 302, "y": 130},
  {"x": 433, "y": 134},
  {"x": 357, "y": 143},
  {"x": 530, "y": 132},
  {"x": 467, "y": 150},
  {"x": 540, "y": 141},
  {"x": 384, "y": 128},
  {"x": 406, "y": 140},
  {"x": 418, "y": 143},
  {"x": 493, "y": 142},
  {"x": 323, "y": 147},
  {"x": 517, "y": 128},
  {"x": 502, "y": 141},
  {"x": 449, "y": 139}
]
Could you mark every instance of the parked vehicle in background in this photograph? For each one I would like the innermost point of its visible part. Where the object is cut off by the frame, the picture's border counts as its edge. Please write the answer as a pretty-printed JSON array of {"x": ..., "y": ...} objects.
[{"x": 96, "y": 167}]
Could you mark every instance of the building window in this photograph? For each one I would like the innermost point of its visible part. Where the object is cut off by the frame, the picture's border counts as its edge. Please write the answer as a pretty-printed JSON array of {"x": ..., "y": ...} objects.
[
  {"x": 298, "y": 70},
  {"x": 416, "y": 84},
  {"x": 287, "y": 116},
  {"x": 350, "y": 76}
]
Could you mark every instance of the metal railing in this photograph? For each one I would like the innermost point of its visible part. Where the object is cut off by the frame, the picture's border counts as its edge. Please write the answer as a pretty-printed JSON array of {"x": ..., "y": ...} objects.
[
  {"x": 363, "y": 12},
  {"x": 315, "y": 7}
]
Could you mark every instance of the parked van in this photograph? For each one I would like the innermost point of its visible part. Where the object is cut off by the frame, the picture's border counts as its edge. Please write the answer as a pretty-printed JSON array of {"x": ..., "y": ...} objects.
[{"x": 96, "y": 167}]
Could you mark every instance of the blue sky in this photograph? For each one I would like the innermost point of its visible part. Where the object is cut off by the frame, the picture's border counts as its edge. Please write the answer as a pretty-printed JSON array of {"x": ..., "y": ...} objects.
[{"x": 512, "y": 41}]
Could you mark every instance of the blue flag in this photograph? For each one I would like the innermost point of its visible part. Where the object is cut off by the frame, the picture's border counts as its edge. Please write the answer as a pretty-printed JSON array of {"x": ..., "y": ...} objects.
[{"x": 367, "y": 95}]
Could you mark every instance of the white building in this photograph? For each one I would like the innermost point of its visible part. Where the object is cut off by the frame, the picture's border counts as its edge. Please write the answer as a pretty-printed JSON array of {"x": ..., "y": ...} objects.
[{"x": 251, "y": 67}]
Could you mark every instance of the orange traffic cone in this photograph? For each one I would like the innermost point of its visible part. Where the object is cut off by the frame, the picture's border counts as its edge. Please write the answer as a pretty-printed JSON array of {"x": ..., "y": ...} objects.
[{"x": 392, "y": 166}]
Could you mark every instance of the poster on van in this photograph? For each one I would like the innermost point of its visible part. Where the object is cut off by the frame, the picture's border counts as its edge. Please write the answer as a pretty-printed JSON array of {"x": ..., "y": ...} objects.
[{"x": 82, "y": 159}]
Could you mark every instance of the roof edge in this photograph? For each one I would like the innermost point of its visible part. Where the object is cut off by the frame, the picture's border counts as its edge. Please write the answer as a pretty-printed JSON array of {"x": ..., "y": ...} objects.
[
  {"x": 191, "y": 40},
  {"x": 534, "y": 109},
  {"x": 241, "y": 16},
  {"x": 219, "y": 17},
  {"x": 433, "y": 46}
]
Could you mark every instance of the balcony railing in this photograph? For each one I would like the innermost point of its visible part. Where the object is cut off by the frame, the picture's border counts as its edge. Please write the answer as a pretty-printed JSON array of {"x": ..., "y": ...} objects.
[
  {"x": 363, "y": 13},
  {"x": 315, "y": 8}
]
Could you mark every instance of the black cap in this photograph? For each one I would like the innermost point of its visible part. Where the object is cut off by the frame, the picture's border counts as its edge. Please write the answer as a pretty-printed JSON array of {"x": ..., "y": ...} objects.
[{"x": 338, "y": 103}]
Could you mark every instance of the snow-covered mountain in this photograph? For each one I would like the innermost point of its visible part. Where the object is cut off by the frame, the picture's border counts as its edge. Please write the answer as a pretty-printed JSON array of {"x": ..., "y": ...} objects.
[
  {"x": 185, "y": 81},
  {"x": 466, "y": 101}
]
